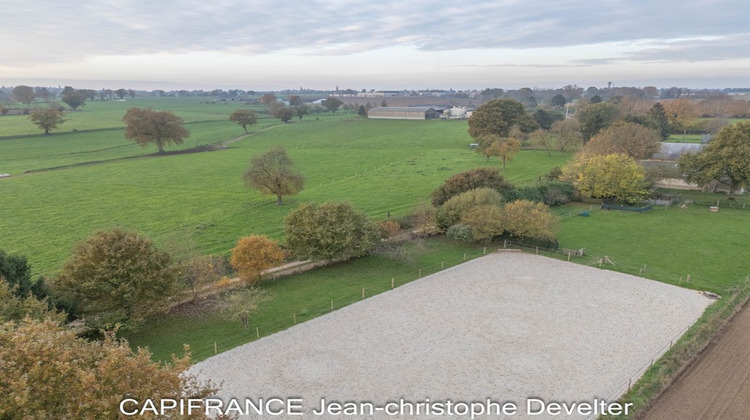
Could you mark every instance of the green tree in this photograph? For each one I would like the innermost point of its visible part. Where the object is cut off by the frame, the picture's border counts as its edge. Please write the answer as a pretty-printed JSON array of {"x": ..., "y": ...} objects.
[
  {"x": 596, "y": 117},
  {"x": 272, "y": 173},
  {"x": 332, "y": 104},
  {"x": 284, "y": 113},
  {"x": 330, "y": 231},
  {"x": 241, "y": 303},
  {"x": 632, "y": 139},
  {"x": 23, "y": 94},
  {"x": 49, "y": 373},
  {"x": 568, "y": 134},
  {"x": 254, "y": 254},
  {"x": 558, "y": 100},
  {"x": 295, "y": 100},
  {"x": 452, "y": 210},
  {"x": 726, "y": 158},
  {"x": 657, "y": 116},
  {"x": 145, "y": 126},
  {"x": 362, "y": 112},
  {"x": 16, "y": 308},
  {"x": 498, "y": 117},
  {"x": 46, "y": 119},
  {"x": 243, "y": 117},
  {"x": 117, "y": 277},
  {"x": 121, "y": 93},
  {"x": 529, "y": 220},
  {"x": 615, "y": 176},
  {"x": 545, "y": 118},
  {"x": 74, "y": 98},
  {"x": 469, "y": 180}
]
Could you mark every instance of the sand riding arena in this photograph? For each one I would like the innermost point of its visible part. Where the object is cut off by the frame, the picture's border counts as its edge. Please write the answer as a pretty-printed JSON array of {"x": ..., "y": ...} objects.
[{"x": 506, "y": 327}]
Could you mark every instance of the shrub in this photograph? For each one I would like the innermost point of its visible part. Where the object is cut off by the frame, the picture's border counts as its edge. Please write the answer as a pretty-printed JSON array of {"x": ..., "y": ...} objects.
[
  {"x": 486, "y": 222},
  {"x": 389, "y": 228},
  {"x": 555, "y": 193},
  {"x": 254, "y": 254},
  {"x": 524, "y": 193},
  {"x": 469, "y": 180},
  {"x": 460, "y": 232},
  {"x": 528, "y": 220},
  {"x": 450, "y": 213}
]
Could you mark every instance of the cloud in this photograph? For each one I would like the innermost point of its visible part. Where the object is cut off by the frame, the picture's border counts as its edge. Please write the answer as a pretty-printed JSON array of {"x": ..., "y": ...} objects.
[{"x": 52, "y": 31}]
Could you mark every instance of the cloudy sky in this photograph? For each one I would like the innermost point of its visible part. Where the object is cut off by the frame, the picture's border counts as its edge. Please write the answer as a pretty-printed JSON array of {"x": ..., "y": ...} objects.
[{"x": 381, "y": 44}]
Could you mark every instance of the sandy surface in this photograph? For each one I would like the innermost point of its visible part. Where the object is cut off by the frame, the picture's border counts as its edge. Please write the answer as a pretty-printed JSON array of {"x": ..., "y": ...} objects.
[{"x": 508, "y": 327}]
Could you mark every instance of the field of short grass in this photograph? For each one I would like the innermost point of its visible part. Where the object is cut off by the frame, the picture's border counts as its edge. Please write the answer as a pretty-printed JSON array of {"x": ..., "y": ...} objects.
[
  {"x": 298, "y": 298},
  {"x": 380, "y": 166}
]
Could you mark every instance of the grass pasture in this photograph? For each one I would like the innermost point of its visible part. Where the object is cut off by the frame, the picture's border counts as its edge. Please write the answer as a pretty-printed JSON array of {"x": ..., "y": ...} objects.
[{"x": 380, "y": 166}]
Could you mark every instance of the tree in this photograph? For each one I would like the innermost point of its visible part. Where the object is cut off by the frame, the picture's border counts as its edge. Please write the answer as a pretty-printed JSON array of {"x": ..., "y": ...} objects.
[
  {"x": 42, "y": 92},
  {"x": 332, "y": 104},
  {"x": 301, "y": 110},
  {"x": 16, "y": 308},
  {"x": 200, "y": 270},
  {"x": 49, "y": 373},
  {"x": 243, "y": 117},
  {"x": 452, "y": 210},
  {"x": 121, "y": 93},
  {"x": 545, "y": 118},
  {"x": 503, "y": 147},
  {"x": 680, "y": 112},
  {"x": 144, "y": 126},
  {"x": 615, "y": 176},
  {"x": 568, "y": 134},
  {"x": 558, "y": 100},
  {"x": 543, "y": 139},
  {"x": 254, "y": 254},
  {"x": 46, "y": 119},
  {"x": 23, "y": 94},
  {"x": 596, "y": 117},
  {"x": 268, "y": 99},
  {"x": 330, "y": 231},
  {"x": 632, "y": 139},
  {"x": 295, "y": 100},
  {"x": 74, "y": 98},
  {"x": 284, "y": 113},
  {"x": 491, "y": 93},
  {"x": 272, "y": 173},
  {"x": 529, "y": 220},
  {"x": 240, "y": 303},
  {"x": 498, "y": 117},
  {"x": 726, "y": 158},
  {"x": 117, "y": 277},
  {"x": 362, "y": 112},
  {"x": 659, "y": 121}
]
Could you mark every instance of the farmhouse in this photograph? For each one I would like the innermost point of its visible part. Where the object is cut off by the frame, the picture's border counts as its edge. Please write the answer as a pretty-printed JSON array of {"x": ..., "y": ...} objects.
[{"x": 405, "y": 113}]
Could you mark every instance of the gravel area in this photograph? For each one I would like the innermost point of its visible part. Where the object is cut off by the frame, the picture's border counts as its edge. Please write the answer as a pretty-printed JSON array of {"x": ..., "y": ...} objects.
[{"x": 507, "y": 326}]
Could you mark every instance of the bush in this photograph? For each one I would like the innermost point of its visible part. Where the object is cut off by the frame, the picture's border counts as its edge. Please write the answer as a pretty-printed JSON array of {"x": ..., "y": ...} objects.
[
  {"x": 389, "y": 228},
  {"x": 450, "y": 213},
  {"x": 528, "y": 220},
  {"x": 469, "y": 180},
  {"x": 555, "y": 193},
  {"x": 486, "y": 222},
  {"x": 460, "y": 232},
  {"x": 524, "y": 193}
]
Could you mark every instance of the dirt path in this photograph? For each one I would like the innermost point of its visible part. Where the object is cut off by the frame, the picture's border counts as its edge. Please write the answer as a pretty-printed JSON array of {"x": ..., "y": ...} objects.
[{"x": 717, "y": 386}]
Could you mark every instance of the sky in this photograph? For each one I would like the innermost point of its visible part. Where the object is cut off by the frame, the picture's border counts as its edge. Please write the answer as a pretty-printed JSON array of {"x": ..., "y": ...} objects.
[{"x": 381, "y": 44}]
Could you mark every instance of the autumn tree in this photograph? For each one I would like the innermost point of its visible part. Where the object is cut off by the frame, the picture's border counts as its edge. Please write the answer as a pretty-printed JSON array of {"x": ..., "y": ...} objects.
[
  {"x": 50, "y": 373},
  {"x": 145, "y": 126},
  {"x": 74, "y": 98},
  {"x": 268, "y": 99},
  {"x": 272, "y": 173},
  {"x": 295, "y": 100},
  {"x": 615, "y": 176},
  {"x": 284, "y": 113},
  {"x": 595, "y": 117},
  {"x": 657, "y": 117},
  {"x": 23, "y": 94},
  {"x": 198, "y": 271},
  {"x": 469, "y": 180},
  {"x": 632, "y": 139},
  {"x": 117, "y": 277},
  {"x": 726, "y": 158},
  {"x": 46, "y": 119},
  {"x": 330, "y": 231},
  {"x": 568, "y": 134},
  {"x": 43, "y": 93},
  {"x": 529, "y": 220},
  {"x": 332, "y": 104},
  {"x": 502, "y": 147},
  {"x": 680, "y": 112},
  {"x": 254, "y": 254},
  {"x": 497, "y": 117},
  {"x": 17, "y": 307},
  {"x": 243, "y": 117},
  {"x": 241, "y": 303}
]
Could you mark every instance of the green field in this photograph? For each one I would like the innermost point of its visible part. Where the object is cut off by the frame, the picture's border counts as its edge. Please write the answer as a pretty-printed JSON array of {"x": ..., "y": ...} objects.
[{"x": 380, "y": 166}]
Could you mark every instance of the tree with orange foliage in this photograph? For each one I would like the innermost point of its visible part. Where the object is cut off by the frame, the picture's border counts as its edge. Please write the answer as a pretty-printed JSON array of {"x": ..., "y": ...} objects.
[
  {"x": 254, "y": 254},
  {"x": 680, "y": 112}
]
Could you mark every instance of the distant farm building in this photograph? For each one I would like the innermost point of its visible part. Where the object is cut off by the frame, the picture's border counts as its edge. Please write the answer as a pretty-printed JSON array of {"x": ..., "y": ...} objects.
[{"x": 404, "y": 113}]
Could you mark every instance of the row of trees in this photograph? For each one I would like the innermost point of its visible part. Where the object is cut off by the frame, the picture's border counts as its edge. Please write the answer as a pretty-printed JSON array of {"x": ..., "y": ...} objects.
[{"x": 73, "y": 97}]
